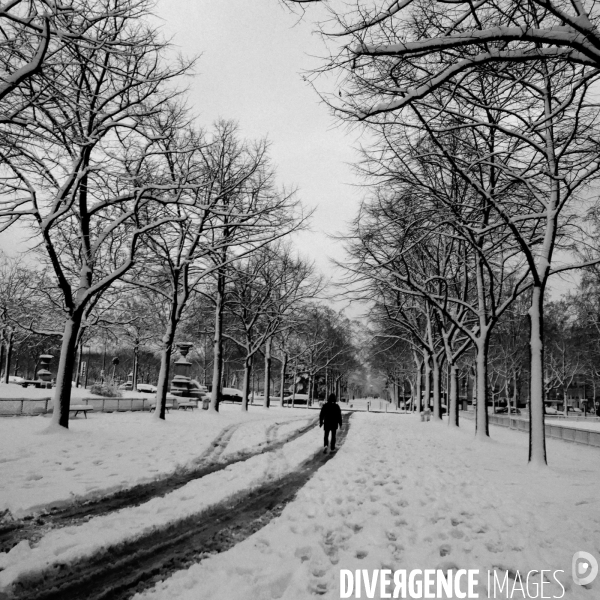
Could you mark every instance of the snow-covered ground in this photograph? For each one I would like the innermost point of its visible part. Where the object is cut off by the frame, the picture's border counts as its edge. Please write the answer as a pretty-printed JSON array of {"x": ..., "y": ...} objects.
[
  {"x": 65, "y": 545},
  {"x": 402, "y": 494},
  {"x": 111, "y": 451}
]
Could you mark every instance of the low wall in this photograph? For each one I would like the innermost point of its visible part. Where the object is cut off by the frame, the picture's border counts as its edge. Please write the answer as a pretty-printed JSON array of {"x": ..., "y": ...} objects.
[
  {"x": 586, "y": 437},
  {"x": 10, "y": 407}
]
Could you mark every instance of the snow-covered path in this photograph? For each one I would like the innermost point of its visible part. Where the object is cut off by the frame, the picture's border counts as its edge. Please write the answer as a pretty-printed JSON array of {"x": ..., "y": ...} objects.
[
  {"x": 59, "y": 548},
  {"x": 402, "y": 494},
  {"x": 112, "y": 451}
]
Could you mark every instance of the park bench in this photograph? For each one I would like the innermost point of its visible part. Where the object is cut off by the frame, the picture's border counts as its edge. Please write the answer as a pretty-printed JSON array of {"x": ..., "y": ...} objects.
[
  {"x": 38, "y": 383},
  {"x": 167, "y": 407},
  {"x": 80, "y": 408},
  {"x": 186, "y": 405}
]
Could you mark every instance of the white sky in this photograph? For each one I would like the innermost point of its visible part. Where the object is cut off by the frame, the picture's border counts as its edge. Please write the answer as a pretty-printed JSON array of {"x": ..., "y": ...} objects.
[{"x": 253, "y": 56}]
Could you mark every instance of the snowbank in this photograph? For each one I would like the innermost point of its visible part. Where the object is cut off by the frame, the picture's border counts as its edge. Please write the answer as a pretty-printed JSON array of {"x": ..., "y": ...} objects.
[
  {"x": 69, "y": 544},
  {"x": 112, "y": 451},
  {"x": 402, "y": 494}
]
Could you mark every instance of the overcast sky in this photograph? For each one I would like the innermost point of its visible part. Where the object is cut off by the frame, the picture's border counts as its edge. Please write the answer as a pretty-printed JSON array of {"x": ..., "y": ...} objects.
[{"x": 254, "y": 54}]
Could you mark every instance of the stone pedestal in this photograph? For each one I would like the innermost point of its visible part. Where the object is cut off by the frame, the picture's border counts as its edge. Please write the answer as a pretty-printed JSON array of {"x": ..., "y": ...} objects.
[
  {"x": 43, "y": 373},
  {"x": 180, "y": 384}
]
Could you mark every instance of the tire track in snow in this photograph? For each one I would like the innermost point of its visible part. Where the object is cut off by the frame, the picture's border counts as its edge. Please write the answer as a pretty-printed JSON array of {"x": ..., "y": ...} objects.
[
  {"x": 122, "y": 571},
  {"x": 33, "y": 528}
]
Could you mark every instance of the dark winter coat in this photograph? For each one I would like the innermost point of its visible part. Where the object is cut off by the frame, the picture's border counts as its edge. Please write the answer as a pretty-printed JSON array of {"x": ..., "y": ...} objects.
[{"x": 331, "y": 415}]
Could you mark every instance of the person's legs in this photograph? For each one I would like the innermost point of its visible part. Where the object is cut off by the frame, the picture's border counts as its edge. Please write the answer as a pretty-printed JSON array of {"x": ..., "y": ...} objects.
[
  {"x": 326, "y": 438},
  {"x": 333, "y": 432}
]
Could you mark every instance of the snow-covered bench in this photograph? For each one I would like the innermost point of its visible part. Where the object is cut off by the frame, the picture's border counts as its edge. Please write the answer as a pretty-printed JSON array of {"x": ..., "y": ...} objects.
[
  {"x": 186, "y": 405},
  {"x": 167, "y": 406},
  {"x": 80, "y": 408}
]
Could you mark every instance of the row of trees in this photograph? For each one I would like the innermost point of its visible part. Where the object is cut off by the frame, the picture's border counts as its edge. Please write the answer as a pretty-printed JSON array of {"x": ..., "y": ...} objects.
[
  {"x": 485, "y": 123},
  {"x": 141, "y": 218}
]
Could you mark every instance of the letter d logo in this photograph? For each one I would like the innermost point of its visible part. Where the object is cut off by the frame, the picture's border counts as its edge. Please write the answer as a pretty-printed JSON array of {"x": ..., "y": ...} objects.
[{"x": 585, "y": 568}]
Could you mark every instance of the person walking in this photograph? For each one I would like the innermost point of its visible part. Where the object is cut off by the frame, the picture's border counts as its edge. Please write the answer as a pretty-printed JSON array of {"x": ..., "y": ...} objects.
[{"x": 330, "y": 418}]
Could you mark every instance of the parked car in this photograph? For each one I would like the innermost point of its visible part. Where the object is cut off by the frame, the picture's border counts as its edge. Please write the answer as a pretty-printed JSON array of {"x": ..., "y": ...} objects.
[
  {"x": 231, "y": 395},
  {"x": 146, "y": 388},
  {"x": 15, "y": 379},
  {"x": 128, "y": 386},
  {"x": 503, "y": 410},
  {"x": 574, "y": 410},
  {"x": 552, "y": 411}
]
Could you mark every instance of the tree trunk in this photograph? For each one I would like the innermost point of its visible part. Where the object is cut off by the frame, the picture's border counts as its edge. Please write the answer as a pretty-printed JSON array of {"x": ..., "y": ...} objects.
[
  {"x": 537, "y": 434},
  {"x": 136, "y": 351},
  {"x": 481, "y": 415},
  {"x": 283, "y": 370},
  {"x": 79, "y": 362},
  {"x": 247, "y": 380},
  {"x": 294, "y": 382},
  {"x": 418, "y": 385},
  {"x": 453, "y": 397},
  {"x": 218, "y": 345},
  {"x": 437, "y": 397},
  {"x": 8, "y": 355},
  {"x": 2, "y": 365},
  {"x": 267, "y": 394},
  {"x": 163, "y": 376},
  {"x": 64, "y": 375},
  {"x": 427, "y": 396}
]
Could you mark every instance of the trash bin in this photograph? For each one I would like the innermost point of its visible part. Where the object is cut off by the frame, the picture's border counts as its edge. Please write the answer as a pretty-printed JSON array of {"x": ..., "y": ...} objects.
[{"x": 205, "y": 404}]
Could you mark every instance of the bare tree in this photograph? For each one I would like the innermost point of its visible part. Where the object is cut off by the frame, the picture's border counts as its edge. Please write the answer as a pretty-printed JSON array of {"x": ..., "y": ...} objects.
[
  {"x": 252, "y": 212},
  {"x": 87, "y": 169}
]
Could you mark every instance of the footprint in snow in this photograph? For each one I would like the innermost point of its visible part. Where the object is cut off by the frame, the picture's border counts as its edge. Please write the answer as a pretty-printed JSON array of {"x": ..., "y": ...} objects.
[
  {"x": 355, "y": 527},
  {"x": 318, "y": 588},
  {"x": 445, "y": 550}
]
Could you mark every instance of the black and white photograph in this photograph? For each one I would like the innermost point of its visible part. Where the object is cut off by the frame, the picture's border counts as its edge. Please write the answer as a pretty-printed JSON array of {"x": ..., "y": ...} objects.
[{"x": 299, "y": 299}]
